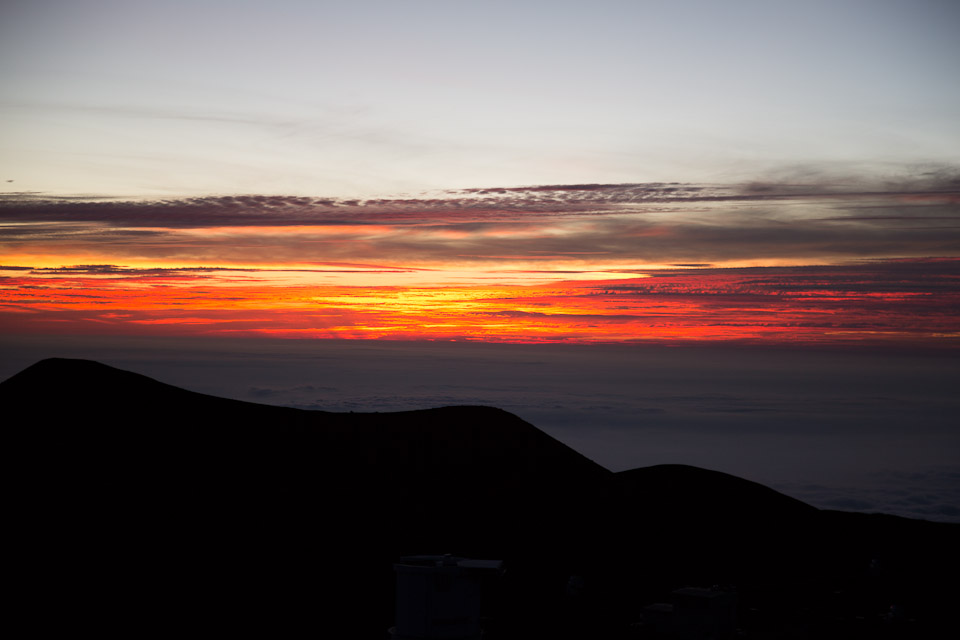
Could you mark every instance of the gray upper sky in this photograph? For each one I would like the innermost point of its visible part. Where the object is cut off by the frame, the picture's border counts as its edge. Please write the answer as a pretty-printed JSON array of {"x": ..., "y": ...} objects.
[{"x": 183, "y": 97}]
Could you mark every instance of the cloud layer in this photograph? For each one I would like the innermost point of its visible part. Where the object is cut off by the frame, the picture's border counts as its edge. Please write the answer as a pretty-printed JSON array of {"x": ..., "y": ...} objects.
[
  {"x": 574, "y": 224},
  {"x": 852, "y": 429},
  {"x": 775, "y": 260}
]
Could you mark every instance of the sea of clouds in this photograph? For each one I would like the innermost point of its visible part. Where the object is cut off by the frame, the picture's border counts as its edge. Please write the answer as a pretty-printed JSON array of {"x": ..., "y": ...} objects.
[{"x": 850, "y": 430}]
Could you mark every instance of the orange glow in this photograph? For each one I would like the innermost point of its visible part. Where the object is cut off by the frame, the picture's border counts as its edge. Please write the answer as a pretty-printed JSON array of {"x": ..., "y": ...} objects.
[
  {"x": 681, "y": 305},
  {"x": 600, "y": 263}
]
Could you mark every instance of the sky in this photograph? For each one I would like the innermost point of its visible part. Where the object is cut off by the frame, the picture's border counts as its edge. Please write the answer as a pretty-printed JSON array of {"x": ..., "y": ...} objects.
[
  {"x": 612, "y": 174},
  {"x": 360, "y": 99},
  {"x": 497, "y": 171}
]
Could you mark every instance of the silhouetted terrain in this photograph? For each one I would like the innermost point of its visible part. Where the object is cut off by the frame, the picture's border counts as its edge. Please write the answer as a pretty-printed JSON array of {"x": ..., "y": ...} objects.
[{"x": 141, "y": 507}]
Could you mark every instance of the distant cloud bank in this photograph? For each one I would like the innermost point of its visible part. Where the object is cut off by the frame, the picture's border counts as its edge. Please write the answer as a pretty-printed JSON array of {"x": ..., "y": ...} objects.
[{"x": 798, "y": 257}]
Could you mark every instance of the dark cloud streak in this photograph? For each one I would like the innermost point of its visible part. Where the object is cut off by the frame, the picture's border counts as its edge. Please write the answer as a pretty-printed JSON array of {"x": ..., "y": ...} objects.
[
  {"x": 577, "y": 228},
  {"x": 465, "y": 205}
]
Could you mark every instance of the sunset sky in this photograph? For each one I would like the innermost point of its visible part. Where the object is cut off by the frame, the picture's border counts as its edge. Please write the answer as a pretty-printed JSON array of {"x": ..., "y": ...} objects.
[
  {"x": 714, "y": 233},
  {"x": 495, "y": 171}
]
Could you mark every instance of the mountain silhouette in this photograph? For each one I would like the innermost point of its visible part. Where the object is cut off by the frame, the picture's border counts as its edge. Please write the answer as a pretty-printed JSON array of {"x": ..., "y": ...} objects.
[{"x": 143, "y": 507}]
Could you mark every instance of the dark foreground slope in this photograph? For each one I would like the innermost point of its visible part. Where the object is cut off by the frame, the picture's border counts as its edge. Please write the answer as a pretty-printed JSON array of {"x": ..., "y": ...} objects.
[
  {"x": 144, "y": 502},
  {"x": 141, "y": 507}
]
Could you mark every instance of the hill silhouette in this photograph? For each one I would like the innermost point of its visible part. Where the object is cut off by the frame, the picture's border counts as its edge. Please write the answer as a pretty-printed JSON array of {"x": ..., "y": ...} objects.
[{"x": 140, "y": 506}]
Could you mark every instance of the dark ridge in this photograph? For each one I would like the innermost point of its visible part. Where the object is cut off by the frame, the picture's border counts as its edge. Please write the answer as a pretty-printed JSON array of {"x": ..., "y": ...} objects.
[
  {"x": 138, "y": 506},
  {"x": 122, "y": 404},
  {"x": 85, "y": 383},
  {"x": 706, "y": 491}
]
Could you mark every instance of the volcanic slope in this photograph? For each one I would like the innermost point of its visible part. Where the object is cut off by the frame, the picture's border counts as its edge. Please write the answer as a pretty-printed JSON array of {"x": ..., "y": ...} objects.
[{"x": 139, "y": 505}]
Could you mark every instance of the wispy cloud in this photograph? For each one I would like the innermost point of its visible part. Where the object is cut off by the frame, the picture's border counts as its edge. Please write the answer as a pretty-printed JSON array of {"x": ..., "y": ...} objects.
[{"x": 609, "y": 224}]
